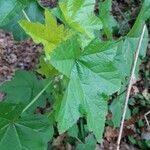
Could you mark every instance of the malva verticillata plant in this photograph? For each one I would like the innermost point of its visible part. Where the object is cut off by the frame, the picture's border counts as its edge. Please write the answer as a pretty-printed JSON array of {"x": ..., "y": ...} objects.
[{"x": 82, "y": 71}]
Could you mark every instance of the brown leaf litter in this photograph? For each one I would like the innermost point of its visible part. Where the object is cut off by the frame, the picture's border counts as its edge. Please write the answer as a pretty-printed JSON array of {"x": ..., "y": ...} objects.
[{"x": 16, "y": 55}]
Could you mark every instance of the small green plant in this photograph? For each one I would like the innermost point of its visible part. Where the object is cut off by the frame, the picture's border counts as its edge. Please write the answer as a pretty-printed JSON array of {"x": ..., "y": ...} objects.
[{"x": 82, "y": 71}]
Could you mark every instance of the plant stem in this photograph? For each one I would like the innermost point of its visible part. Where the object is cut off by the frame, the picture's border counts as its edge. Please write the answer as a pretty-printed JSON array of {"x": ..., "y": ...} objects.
[
  {"x": 36, "y": 98},
  {"x": 82, "y": 129},
  {"x": 26, "y": 16},
  {"x": 130, "y": 86}
]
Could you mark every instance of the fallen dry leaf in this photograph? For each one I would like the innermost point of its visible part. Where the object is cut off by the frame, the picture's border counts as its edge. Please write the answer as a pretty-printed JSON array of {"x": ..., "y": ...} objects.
[
  {"x": 110, "y": 133},
  {"x": 146, "y": 94}
]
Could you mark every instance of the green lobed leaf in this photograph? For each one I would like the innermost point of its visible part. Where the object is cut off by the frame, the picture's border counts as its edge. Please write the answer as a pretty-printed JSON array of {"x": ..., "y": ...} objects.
[
  {"x": 109, "y": 23},
  {"x": 50, "y": 35},
  {"x": 9, "y": 9},
  {"x": 34, "y": 13},
  {"x": 23, "y": 88},
  {"x": 128, "y": 45},
  {"x": 79, "y": 17},
  {"x": 10, "y": 111},
  {"x": 124, "y": 58},
  {"x": 23, "y": 133},
  {"x": 116, "y": 107},
  {"x": 125, "y": 54},
  {"x": 92, "y": 75}
]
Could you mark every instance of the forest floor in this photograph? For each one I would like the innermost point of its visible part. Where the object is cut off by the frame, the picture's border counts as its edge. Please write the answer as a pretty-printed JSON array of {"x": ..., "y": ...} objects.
[{"x": 25, "y": 55}]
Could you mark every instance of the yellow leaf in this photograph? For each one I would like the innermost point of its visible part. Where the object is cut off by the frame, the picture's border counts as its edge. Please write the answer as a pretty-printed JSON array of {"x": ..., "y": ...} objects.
[{"x": 50, "y": 34}]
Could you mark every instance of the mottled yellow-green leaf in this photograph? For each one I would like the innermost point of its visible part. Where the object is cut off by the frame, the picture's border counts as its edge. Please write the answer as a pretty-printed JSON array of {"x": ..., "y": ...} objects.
[{"x": 50, "y": 34}]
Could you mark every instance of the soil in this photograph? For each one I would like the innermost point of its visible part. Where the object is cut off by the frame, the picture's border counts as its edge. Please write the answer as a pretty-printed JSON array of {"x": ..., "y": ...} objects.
[{"x": 16, "y": 55}]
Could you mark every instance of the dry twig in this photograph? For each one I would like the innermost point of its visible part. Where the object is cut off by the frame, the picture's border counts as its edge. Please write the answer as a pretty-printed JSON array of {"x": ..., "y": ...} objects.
[
  {"x": 145, "y": 116},
  {"x": 130, "y": 85}
]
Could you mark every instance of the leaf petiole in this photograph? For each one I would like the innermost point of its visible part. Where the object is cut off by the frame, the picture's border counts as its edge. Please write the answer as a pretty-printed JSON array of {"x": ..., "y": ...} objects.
[
  {"x": 26, "y": 16},
  {"x": 36, "y": 98}
]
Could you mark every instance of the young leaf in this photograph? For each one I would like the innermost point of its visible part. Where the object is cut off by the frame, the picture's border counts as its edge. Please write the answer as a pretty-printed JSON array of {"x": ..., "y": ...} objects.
[
  {"x": 25, "y": 133},
  {"x": 23, "y": 88},
  {"x": 92, "y": 75},
  {"x": 79, "y": 17},
  {"x": 109, "y": 23},
  {"x": 33, "y": 11},
  {"x": 50, "y": 34},
  {"x": 90, "y": 144}
]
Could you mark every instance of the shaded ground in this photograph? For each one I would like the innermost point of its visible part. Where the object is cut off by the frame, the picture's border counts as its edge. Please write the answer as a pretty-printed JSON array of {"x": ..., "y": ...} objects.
[{"x": 14, "y": 55}]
